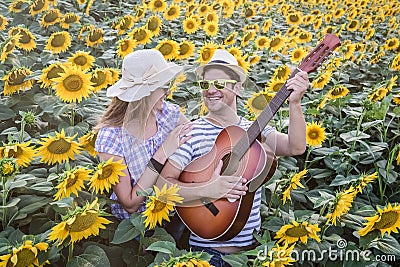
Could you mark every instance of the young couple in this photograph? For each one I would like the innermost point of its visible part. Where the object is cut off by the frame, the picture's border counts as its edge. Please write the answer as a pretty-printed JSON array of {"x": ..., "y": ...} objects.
[{"x": 151, "y": 136}]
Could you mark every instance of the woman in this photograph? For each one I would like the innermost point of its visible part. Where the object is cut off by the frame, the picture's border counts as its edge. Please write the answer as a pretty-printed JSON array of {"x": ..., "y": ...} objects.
[{"x": 139, "y": 127}]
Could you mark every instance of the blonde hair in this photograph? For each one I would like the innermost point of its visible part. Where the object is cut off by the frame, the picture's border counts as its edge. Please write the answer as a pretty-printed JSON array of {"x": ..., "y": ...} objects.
[{"x": 120, "y": 113}]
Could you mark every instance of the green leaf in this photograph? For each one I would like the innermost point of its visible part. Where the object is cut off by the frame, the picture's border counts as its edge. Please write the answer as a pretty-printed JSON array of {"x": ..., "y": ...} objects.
[
  {"x": 353, "y": 136},
  {"x": 125, "y": 232},
  {"x": 16, "y": 184},
  {"x": 341, "y": 180},
  {"x": 163, "y": 246},
  {"x": 160, "y": 234},
  {"x": 43, "y": 186},
  {"x": 388, "y": 244},
  {"x": 236, "y": 260},
  {"x": 13, "y": 202},
  {"x": 137, "y": 220},
  {"x": 6, "y": 113},
  {"x": 93, "y": 256}
]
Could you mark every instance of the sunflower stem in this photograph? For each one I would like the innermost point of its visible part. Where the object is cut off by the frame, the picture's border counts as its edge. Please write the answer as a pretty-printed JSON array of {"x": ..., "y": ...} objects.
[
  {"x": 70, "y": 252},
  {"x": 72, "y": 120},
  {"x": 21, "y": 135},
  {"x": 307, "y": 156},
  {"x": 4, "y": 198}
]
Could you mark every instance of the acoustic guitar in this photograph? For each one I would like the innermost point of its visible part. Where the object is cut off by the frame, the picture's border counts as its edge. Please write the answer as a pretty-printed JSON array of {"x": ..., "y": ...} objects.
[{"x": 242, "y": 155}]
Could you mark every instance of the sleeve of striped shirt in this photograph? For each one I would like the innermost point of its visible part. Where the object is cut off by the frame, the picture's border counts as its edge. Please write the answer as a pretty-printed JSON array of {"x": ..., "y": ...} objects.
[
  {"x": 267, "y": 130},
  {"x": 109, "y": 141},
  {"x": 183, "y": 155}
]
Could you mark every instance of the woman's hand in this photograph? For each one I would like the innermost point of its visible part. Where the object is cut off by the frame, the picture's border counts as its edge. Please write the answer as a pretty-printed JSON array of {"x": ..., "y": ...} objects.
[{"x": 175, "y": 139}]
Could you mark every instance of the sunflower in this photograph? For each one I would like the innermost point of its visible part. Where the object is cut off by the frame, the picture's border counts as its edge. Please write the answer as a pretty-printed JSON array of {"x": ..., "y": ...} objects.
[
  {"x": 38, "y": 6},
  {"x": 190, "y": 25},
  {"x": 87, "y": 142},
  {"x": 25, "y": 255},
  {"x": 140, "y": 35},
  {"x": 362, "y": 181},
  {"x": 16, "y": 6},
  {"x": 303, "y": 37},
  {"x": 315, "y": 134},
  {"x": 160, "y": 204},
  {"x": 125, "y": 23},
  {"x": 396, "y": 100},
  {"x": 3, "y": 22},
  {"x": 7, "y": 47},
  {"x": 243, "y": 63},
  {"x": 258, "y": 101},
  {"x": 80, "y": 223},
  {"x": 101, "y": 78},
  {"x": 276, "y": 43},
  {"x": 82, "y": 59},
  {"x": 26, "y": 41},
  {"x": 114, "y": 75},
  {"x": 71, "y": 182},
  {"x": 157, "y": 5},
  {"x": 378, "y": 94},
  {"x": 51, "y": 17},
  {"x": 352, "y": 25},
  {"x": 261, "y": 42},
  {"x": 14, "y": 81},
  {"x": 341, "y": 205},
  {"x": 206, "y": 52},
  {"x": 298, "y": 54},
  {"x": 321, "y": 80},
  {"x": 125, "y": 47},
  {"x": 168, "y": 48},
  {"x": 22, "y": 152},
  {"x": 295, "y": 231},
  {"x": 275, "y": 84},
  {"x": 294, "y": 18},
  {"x": 68, "y": 19},
  {"x": 386, "y": 220},
  {"x": 281, "y": 73},
  {"x": 235, "y": 51},
  {"x": 317, "y": 23},
  {"x": 186, "y": 50},
  {"x": 49, "y": 73},
  {"x": 73, "y": 85},
  {"x": 211, "y": 28},
  {"x": 279, "y": 256},
  {"x": 203, "y": 9},
  {"x": 369, "y": 33},
  {"x": 58, "y": 42},
  {"x": 154, "y": 25},
  {"x": 254, "y": 59},
  {"x": 212, "y": 16},
  {"x": 58, "y": 148},
  {"x": 396, "y": 63},
  {"x": 294, "y": 182},
  {"x": 230, "y": 39},
  {"x": 391, "y": 44},
  {"x": 391, "y": 83},
  {"x": 173, "y": 12},
  {"x": 106, "y": 174},
  {"x": 337, "y": 92},
  {"x": 249, "y": 36},
  {"x": 266, "y": 25},
  {"x": 95, "y": 37}
]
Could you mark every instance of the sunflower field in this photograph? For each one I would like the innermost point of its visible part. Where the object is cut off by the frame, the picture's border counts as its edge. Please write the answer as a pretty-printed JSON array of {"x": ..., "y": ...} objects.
[{"x": 59, "y": 56}]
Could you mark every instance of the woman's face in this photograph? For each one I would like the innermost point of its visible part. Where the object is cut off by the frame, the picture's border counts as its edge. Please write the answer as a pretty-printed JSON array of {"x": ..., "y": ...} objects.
[{"x": 158, "y": 97}]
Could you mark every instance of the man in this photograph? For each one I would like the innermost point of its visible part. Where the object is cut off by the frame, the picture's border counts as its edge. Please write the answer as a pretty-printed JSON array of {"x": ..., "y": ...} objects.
[{"x": 221, "y": 82}]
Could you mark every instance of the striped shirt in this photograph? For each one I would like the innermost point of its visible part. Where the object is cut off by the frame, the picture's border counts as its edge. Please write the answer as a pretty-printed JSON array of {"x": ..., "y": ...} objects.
[
  {"x": 137, "y": 153},
  {"x": 203, "y": 138}
]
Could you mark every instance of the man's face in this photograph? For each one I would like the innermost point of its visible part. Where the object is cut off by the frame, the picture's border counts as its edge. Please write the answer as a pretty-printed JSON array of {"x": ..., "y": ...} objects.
[{"x": 219, "y": 100}]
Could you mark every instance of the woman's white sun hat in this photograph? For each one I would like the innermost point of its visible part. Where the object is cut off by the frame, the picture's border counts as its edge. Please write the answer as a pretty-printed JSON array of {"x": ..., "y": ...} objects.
[
  {"x": 143, "y": 71},
  {"x": 226, "y": 59}
]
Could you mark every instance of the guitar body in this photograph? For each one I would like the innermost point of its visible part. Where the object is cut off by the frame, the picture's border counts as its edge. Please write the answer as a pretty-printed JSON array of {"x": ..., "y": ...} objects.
[{"x": 221, "y": 219}]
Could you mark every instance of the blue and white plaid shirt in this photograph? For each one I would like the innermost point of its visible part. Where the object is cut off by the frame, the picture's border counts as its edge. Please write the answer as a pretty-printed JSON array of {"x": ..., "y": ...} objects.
[{"x": 137, "y": 153}]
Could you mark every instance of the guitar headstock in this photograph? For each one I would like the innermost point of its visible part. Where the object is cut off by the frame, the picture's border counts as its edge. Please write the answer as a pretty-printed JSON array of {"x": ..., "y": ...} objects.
[{"x": 311, "y": 62}]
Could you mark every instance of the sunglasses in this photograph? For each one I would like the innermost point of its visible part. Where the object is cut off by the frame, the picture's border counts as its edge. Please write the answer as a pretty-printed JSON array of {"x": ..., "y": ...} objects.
[{"x": 218, "y": 84}]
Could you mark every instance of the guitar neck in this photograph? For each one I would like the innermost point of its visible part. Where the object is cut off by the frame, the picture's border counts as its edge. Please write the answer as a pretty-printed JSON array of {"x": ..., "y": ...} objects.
[{"x": 262, "y": 120}]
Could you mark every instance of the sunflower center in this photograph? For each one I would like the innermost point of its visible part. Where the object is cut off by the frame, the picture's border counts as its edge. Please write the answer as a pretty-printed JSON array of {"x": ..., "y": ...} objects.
[
  {"x": 1, "y": 21},
  {"x": 70, "y": 19},
  {"x": 18, "y": 5},
  {"x": 80, "y": 60},
  {"x": 277, "y": 87},
  {"x": 293, "y": 18},
  {"x": 60, "y": 146},
  {"x": 124, "y": 45},
  {"x": 206, "y": 55},
  {"x": 140, "y": 35},
  {"x": 158, "y": 4},
  {"x": 50, "y": 17},
  {"x": 166, "y": 49},
  {"x": 83, "y": 222},
  {"x": 259, "y": 102},
  {"x": 73, "y": 83},
  {"x": 203, "y": 9},
  {"x": 125, "y": 24},
  {"x": 249, "y": 12},
  {"x": 99, "y": 78},
  {"x": 72, "y": 179},
  {"x": 153, "y": 25},
  {"x": 39, "y": 5},
  {"x": 337, "y": 91},
  {"x": 353, "y": 24},
  {"x": 262, "y": 42},
  {"x": 297, "y": 231},
  {"x": 95, "y": 36},
  {"x": 212, "y": 28},
  {"x": 58, "y": 40},
  {"x": 15, "y": 153},
  {"x": 297, "y": 54},
  {"x": 281, "y": 73},
  {"x": 248, "y": 37},
  {"x": 25, "y": 38},
  {"x": 171, "y": 11},
  {"x": 275, "y": 42},
  {"x": 190, "y": 25},
  {"x": 54, "y": 72},
  {"x": 16, "y": 78},
  {"x": 388, "y": 219},
  {"x": 313, "y": 134},
  {"x": 159, "y": 204},
  {"x": 183, "y": 49},
  {"x": 10, "y": 46},
  {"x": 106, "y": 172},
  {"x": 25, "y": 258}
]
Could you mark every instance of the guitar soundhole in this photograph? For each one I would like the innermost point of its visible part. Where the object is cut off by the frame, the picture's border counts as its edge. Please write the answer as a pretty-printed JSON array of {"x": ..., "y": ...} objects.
[{"x": 225, "y": 161}]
